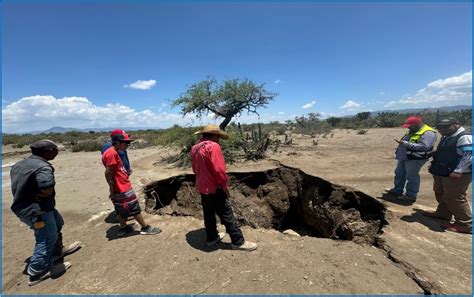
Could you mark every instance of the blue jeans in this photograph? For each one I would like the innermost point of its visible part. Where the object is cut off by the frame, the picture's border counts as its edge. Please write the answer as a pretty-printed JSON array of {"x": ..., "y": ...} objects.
[
  {"x": 46, "y": 240},
  {"x": 408, "y": 170}
]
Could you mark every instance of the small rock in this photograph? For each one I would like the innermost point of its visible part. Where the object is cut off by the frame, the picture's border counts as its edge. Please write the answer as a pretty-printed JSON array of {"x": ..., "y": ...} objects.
[
  {"x": 291, "y": 232},
  {"x": 305, "y": 277}
]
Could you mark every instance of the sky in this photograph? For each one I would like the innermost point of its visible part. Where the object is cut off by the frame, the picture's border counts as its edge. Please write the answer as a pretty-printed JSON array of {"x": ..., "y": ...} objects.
[{"x": 91, "y": 64}]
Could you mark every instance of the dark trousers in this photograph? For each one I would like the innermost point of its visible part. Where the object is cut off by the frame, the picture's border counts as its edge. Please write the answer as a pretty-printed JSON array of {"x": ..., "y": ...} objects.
[
  {"x": 218, "y": 203},
  {"x": 452, "y": 198}
]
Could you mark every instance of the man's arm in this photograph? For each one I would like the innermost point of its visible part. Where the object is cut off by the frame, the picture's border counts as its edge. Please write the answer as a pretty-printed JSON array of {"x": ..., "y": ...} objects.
[
  {"x": 109, "y": 177},
  {"x": 45, "y": 193},
  {"x": 45, "y": 181},
  {"x": 218, "y": 163},
  {"x": 464, "y": 147},
  {"x": 426, "y": 143}
]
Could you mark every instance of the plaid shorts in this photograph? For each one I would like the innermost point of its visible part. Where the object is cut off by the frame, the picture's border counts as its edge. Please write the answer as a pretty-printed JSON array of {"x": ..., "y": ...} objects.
[{"x": 126, "y": 204}]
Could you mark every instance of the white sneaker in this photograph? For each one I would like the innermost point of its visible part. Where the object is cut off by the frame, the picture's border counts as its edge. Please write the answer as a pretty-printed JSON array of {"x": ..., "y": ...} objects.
[
  {"x": 73, "y": 247},
  {"x": 220, "y": 236},
  {"x": 246, "y": 246},
  {"x": 56, "y": 270}
]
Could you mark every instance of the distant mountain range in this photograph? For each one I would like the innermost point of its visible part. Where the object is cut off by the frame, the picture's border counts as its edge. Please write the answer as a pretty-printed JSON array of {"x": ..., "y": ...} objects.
[
  {"x": 415, "y": 110},
  {"x": 64, "y": 130}
]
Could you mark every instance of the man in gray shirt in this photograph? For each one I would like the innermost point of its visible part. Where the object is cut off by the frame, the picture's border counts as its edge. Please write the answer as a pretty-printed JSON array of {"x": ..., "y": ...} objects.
[
  {"x": 34, "y": 204},
  {"x": 413, "y": 150}
]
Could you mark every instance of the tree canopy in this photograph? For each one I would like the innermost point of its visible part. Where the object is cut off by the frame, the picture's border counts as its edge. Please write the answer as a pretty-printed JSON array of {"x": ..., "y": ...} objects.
[{"x": 224, "y": 100}]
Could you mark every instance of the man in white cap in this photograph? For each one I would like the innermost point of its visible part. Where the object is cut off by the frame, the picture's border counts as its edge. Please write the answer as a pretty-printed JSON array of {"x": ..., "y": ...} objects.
[
  {"x": 34, "y": 204},
  {"x": 211, "y": 182}
]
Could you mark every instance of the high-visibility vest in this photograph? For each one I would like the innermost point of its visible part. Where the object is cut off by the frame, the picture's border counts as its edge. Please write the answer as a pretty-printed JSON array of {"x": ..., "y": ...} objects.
[{"x": 415, "y": 138}]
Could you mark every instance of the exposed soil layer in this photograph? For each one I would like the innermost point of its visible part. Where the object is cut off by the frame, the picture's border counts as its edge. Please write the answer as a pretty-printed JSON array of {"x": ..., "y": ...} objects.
[{"x": 280, "y": 198}]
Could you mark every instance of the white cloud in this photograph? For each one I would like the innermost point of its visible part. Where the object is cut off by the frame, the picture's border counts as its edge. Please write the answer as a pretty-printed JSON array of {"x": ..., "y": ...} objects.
[
  {"x": 440, "y": 92},
  {"x": 38, "y": 113},
  {"x": 278, "y": 81},
  {"x": 43, "y": 112},
  {"x": 142, "y": 84},
  {"x": 381, "y": 93},
  {"x": 350, "y": 105},
  {"x": 308, "y": 105},
  {"x": 281, "y": 112}
]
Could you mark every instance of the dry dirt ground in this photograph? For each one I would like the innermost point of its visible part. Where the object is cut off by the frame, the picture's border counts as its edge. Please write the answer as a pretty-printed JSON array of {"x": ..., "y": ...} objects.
[{"x": 414, "y": 254}]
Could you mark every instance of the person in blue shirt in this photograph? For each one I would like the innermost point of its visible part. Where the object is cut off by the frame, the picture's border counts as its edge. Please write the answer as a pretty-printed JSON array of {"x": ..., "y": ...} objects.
[{"x": 122, "y": 154}]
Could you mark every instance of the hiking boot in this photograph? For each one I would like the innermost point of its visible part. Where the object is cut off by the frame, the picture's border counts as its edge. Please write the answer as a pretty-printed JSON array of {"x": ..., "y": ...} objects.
[
  {"x": 149, "y": 230},
  {"x": 125, "y": 230},
  {"x": 73, "y": 247},
  {"x": 220, "y": 236},
  {"x": 456, "y": 228},
  {"x": 246, "y": 246},
  {"x": 56, "y": 270}
]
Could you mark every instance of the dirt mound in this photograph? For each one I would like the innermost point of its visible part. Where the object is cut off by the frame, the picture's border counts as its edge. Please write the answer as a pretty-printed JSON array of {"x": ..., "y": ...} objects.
[{"x": 280, "y": 198}]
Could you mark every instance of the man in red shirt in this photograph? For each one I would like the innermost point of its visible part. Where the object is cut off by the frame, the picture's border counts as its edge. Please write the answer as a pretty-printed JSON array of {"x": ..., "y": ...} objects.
[
  {"x": 211, "y": 182},
  {"x": 121, "y": 192}
]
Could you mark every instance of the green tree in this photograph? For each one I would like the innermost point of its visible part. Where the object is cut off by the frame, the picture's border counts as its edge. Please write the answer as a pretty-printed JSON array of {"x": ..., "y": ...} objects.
[
  {"x": 224, "y": 100},
  {"x": 362, "y": 116}
]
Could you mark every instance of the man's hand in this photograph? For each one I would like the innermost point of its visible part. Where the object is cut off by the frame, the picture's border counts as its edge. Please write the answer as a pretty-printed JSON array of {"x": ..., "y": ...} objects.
[{"x": 455, "y": 175}]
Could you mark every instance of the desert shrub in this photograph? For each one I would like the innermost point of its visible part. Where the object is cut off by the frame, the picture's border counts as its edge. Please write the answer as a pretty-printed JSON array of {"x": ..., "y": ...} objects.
[
  {"x": 362, "y": 131},
  {"x": 86, "y": 146}
]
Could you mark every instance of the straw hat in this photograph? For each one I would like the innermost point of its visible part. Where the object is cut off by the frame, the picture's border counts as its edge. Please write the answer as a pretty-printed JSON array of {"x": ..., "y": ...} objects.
[{"x": 213, "y": 129}]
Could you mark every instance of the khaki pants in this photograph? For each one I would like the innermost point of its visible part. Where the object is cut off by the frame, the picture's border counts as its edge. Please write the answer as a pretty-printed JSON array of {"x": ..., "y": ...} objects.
[{"x": 451, "y": 196}]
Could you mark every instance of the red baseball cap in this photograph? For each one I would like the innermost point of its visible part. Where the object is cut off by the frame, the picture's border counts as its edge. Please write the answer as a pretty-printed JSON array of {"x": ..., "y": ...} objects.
[
  {"x": 120, "y": 135},
  {"x": 412, "y": 121}
]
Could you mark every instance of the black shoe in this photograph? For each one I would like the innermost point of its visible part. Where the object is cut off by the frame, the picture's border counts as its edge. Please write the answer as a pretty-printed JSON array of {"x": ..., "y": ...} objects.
[{"x": 406, "y": 199}]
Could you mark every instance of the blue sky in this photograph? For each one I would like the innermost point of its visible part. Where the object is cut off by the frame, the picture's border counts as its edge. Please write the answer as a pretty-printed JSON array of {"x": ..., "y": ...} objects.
[{"x": 113, "y": 64}]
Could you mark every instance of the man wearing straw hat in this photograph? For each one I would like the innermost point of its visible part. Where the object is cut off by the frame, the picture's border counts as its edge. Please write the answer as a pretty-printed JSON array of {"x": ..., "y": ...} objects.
[{"x": 211, "y": 182}]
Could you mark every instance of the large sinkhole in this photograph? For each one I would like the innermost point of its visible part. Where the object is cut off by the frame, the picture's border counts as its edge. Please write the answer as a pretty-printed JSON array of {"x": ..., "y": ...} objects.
[{"x": 281, "y": 198}]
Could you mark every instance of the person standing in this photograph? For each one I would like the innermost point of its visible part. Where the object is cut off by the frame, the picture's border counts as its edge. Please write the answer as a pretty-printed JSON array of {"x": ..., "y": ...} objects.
[
  {"x": 452, "y": 174},
  {"x": 123, "y": 154},
  {"x": 211, "y": 182},
  {"x": 414, "y": 149},
  {"x": 120, "y": 188},
  {"x": 32, "y": 183}
]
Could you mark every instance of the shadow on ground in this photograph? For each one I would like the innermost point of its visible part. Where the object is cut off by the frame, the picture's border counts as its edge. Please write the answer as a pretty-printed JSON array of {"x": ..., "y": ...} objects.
[
  {"x": 389, "y": 197},
  {"x": 197, "y": 240},
  {"x": 111, "y": 233},
  {"x": 419, "y": 217}
]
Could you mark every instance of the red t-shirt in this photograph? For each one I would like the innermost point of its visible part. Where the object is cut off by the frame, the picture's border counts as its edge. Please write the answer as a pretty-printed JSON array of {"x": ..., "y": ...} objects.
[
  {"x": 209, "y": 166},
  {"x": 110, "y": 158}
]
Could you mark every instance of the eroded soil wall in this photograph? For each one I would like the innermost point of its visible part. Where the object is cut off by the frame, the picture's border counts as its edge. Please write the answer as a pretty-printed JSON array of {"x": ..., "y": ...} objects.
[{"x": 280, "y": 198}]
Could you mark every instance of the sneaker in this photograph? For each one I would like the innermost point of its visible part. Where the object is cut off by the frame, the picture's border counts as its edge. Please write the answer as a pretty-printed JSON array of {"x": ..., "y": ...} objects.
[
  {"x": 407, "y": 199},
  {"x": 149, "y": 230},
  {"x": 220, "y": 236},
  {"x": 56, "y": 270},
  {"x": 124, "y": 231},
  {"x": 73, "y": 247},
  {"x": 457, "y": 229},
  {"x": 246, "y": 246}
]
